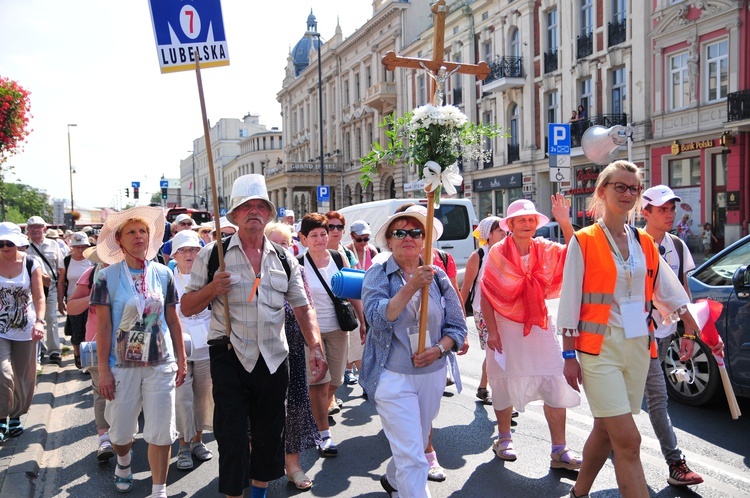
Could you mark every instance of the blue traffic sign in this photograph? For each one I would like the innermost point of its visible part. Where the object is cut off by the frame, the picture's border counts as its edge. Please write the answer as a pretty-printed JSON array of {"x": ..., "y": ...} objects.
[
  {"x": 280, "y": 211},
  {"x": 559, "y": 138},
  {"x": 223, "y": 212},
  {"x": 181, "y": 27},
  {"x": 135, "y": 184},
  {"x": 163, "y": 183},
  {"x": 324, "y": 193}
]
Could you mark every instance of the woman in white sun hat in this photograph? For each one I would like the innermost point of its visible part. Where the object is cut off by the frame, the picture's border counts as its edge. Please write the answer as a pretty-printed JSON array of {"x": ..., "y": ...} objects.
[
  {"x": 74, "y": 265},
  {"x": 139, "y": 341},
  {"x": 23, "y": 325},
  {"x": 194, "y": 404},
  {"x": 524, "y": 361}
]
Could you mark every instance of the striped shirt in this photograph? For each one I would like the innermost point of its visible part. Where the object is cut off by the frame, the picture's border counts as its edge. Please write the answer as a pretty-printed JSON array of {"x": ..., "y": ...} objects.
[{"x": 258, "y": 325}]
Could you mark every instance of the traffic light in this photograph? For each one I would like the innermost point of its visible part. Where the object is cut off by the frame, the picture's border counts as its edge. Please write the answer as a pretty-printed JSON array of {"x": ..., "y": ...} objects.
[
  {"x": 163, "y": 193},
  {"x": 127, "y": 192},
  {"x": 135, "y": 192}
]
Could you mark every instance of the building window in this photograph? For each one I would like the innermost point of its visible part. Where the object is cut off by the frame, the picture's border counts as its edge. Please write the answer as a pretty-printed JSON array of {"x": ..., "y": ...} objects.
[
  {"x": 515, "y": 43},
  {"x": 358, "y": 141},
  {"x": 485, "y": 16},
  {"x": 456, "y": 30},
  {"x": 585, "y": 40},
  {"x": 487, "y": 50},
  {"x": 421, "y": 91},
  {"x": 244, "y": 133},
  {"x": 347, "y": 146},
  {"x": 514, "y": 153},
  {"x": 618, "y": 90},
  {"x": 617, "y": 27},
  {"x": 458, "y": 91},
  {"x": 368, "y": 76},
  {"x": 679, "y": 81},
  {"x": 586, "y": 96},
  {"x": 345, "y": 83},
  {"x": 552, "y": 30},
  {"x": 717, "y": 70},
  {"x": 356, "y": 88},
  {"x": 685, "y": 172},
  {"x": 552, "y": 107}
]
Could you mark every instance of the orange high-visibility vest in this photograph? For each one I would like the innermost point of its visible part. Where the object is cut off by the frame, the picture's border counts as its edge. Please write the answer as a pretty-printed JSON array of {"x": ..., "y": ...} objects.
[{"x": 599, "y": 280}]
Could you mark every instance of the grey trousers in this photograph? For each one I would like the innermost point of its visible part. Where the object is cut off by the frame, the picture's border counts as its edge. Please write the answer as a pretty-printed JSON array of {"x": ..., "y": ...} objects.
[
  {"x": 656, "y": 404},
  {"x": 51, "y": 344},
  {"x": 17, "y": 377}
]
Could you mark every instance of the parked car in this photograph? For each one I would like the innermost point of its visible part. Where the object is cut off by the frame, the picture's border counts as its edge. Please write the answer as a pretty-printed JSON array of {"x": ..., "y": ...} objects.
[
  {"x": 552, "y": 232},
  {"x": 724, "y": 278}
]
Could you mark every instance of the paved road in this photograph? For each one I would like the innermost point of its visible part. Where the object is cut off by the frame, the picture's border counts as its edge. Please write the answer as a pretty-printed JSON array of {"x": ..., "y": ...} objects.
[{"x": 716, "y": 446}]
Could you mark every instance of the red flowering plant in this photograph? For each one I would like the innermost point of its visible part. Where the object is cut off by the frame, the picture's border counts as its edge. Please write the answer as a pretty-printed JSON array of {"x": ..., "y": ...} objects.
[{"x": 15, "y": 107}]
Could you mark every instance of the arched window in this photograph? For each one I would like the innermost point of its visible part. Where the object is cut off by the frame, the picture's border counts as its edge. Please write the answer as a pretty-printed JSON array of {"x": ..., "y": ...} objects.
[{"x": 515, "y": 43}]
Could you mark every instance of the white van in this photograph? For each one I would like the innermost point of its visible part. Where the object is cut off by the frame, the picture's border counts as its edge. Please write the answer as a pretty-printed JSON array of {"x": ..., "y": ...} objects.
[{"x": 457, "y": 216}]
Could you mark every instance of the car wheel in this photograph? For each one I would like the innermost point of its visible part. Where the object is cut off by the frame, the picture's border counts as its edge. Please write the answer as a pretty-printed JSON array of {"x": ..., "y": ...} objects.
[{"x": 700, "y": 383}]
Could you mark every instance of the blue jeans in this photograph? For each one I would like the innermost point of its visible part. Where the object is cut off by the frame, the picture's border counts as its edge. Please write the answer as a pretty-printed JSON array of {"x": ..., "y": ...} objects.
[{"x": 656, "y": 404}]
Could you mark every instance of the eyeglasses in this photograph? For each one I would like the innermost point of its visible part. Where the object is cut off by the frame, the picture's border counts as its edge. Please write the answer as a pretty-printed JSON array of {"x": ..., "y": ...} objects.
[
  {"x": 361, "y": 239},
  {"x": 414, "y": 233},
  {"x": 186, "y": 223},
  {"x": 331, "y": 228},
  {"x": 621, "y": 188},
  {"x": 6, "y": 243}
]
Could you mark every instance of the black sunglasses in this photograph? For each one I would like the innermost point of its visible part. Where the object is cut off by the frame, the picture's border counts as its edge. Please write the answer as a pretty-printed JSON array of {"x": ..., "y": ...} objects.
[
  {"x": 6, "y": 243},
  {"x": 331, "y": 228},
  {"x": 361, "y": 239},
  {"x": 414, "y": 233}
]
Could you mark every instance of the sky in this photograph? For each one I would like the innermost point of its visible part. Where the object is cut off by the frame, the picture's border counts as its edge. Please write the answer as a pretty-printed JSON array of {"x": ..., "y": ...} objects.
[{"x": 94, "y": 63}]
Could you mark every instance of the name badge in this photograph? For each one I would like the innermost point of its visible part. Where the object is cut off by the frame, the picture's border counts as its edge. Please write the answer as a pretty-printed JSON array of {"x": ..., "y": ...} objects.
[{"x": 633, "y": 318}]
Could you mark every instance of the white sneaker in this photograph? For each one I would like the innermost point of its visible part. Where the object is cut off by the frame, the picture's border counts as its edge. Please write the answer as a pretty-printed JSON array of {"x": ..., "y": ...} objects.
[{"x": 105, "y": 451}]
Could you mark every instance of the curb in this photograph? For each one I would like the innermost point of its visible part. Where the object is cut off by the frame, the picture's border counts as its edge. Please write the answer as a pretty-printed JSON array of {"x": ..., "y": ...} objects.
[{"x": 20, "y": 468}]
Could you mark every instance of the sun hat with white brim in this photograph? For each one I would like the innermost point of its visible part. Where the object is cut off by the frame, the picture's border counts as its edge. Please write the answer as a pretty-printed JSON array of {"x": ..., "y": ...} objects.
[
  {"x": 658, "y": 196},
  {"x": 418, "y": 213},
  {"x": 36, "y": 220},
  {"x": 185, "y": 217},
  {"x": 247, "y": 188},
  {"x": 12, "y": 233},
  {"x": 110, "y": 251},
  {"x": 51, "y": 233},
  {"x": 523, "y": 207},
  {"x": 79, "y": 239},
  {"x": 92, "y": 255},
  {"x": 185, "y": 238}
]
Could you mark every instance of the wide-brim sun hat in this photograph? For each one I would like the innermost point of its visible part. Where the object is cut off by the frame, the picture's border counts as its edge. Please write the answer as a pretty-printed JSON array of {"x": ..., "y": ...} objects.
[
  {"x": 109, "y": 249},
  {"x": 246, "y": 188},
  {"x": 92, "y": 255},
  {"x": 51, "y": 233},
  {"x": 12, "y": 233},
  {"x": 523, "y": 207},
  {"x": 380, "y": 237},
  {"x": 185, "y": 238}
]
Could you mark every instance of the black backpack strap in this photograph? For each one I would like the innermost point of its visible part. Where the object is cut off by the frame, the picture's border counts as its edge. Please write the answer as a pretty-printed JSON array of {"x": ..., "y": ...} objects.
[
  {"x": 281, "y": 253},
  {"x": 213, "y": 259},
  {"x": 680, "y": 255},
  {"x": 29, "y": 266},
  {"x": 480, "y": 253},
  {"x": 336, "y": 258},
  {"x": 443, "y": 257},
  {"x": 66, "y": 264}
]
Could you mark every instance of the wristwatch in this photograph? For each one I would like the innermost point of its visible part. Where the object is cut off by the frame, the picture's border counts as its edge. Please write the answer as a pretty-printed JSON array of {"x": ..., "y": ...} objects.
[{"x": 443, "y": 352}]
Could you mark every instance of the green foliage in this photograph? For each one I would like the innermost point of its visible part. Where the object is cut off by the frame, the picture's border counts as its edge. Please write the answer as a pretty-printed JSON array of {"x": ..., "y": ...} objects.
[
  {"x": 156, "y": 197},
  {"x": 22, "y": 202}
]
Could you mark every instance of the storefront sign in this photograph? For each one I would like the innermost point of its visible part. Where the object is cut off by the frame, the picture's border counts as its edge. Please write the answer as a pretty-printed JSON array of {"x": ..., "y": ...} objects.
[
  {"x": 733, "y": 199},
  {"x": 585, "y": 180},
  {"x": 703, "y": 144},
  {"x": 498, "y": 182}
]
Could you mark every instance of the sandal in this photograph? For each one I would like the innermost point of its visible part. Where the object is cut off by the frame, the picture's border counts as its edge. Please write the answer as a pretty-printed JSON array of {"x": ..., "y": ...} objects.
[
  {"x": 200, "y": 451},
  {"x": 505, "y": 450},
  {"x": 3, "y": 431},
  {"x": 15, "y": 427},
  {"x": 435, "y": 472},
  {"x": 127, "y": 482},
  {"x": 300, "y": 480},
  {"x": 184, "y": 458},
  {"x": 571, "y": 462},
  {"x": 484, "y": 395}
]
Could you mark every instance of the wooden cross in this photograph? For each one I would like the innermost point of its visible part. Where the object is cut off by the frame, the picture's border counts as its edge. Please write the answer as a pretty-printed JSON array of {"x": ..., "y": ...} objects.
[
  {"x": 439, "y": 71},
  {"x": 391, "y": 61}
]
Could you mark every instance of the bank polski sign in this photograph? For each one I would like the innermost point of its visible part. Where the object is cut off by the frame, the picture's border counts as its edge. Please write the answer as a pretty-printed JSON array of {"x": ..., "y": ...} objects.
[{"x": 181, "y": 27}]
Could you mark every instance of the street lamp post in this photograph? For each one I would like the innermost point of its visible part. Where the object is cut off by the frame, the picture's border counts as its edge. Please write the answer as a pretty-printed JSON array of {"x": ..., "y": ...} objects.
[
  {"x": 70, "y": 167},
  {"x": 313, "y": 35}
]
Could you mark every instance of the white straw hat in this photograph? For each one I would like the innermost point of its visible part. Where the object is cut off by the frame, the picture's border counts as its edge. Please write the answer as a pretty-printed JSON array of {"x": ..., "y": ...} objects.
[
  {"x": 247, "y": 188},
  {"x": 109, "y": 250}
]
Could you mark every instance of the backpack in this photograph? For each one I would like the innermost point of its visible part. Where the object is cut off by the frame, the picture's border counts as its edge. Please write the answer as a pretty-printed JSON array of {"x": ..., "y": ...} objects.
[
  {"x": 213, "y": 259},
  {"x": 66, "y": 263},
  {"x": 680, "y": 248},
  {"x": 443, "y": 257},
  {"x": 469, "y": 300}
]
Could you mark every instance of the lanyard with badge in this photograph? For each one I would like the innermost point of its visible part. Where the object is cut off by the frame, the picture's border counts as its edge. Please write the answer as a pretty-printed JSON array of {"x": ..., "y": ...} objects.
[
  {"x": 632, "y": 310},
  {"x": 138, "y": 337}
]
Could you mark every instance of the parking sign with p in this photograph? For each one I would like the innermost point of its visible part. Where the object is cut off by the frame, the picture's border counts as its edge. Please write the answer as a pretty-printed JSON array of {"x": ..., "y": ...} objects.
[{"x": 559, "y": 138}]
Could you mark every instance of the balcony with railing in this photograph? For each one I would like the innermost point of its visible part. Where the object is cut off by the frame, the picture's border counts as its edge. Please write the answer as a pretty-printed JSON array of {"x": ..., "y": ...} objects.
[
  {"x": 585, "y": 44},
  {"x": 514, "y": 153},
  {"x": 505, "y": 73},
  {"x": 617, "y": 32},
  {"x": 458, "y": 96},
  {"x": 381, "y": 96},
  {"x": 738, "y": 106},
  {"x": 550, "y": 61},
  {"x": 578, "y": 128}
]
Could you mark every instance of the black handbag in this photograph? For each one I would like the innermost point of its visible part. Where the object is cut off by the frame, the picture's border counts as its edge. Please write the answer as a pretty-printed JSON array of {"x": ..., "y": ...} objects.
[{"x": 344, "y": 310}]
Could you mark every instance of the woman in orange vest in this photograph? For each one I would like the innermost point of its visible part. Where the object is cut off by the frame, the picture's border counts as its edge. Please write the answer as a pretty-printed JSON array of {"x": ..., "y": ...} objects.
[
  {"x": 613, "y": 275},
  {"x": 523, "y": 352}
]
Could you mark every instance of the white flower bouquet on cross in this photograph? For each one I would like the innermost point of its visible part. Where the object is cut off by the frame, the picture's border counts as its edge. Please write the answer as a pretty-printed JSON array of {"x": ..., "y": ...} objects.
[{"x": 433, "y": 138}]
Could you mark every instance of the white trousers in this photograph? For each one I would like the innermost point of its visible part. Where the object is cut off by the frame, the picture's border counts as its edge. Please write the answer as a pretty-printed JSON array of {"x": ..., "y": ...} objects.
[
  {"x": 407, "y": 405},
  {"x": 194, "y": 402}
]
